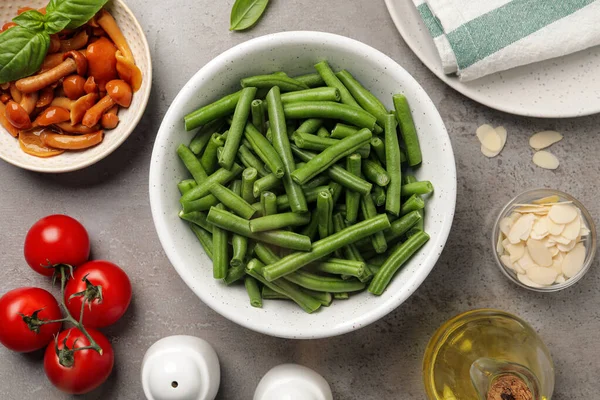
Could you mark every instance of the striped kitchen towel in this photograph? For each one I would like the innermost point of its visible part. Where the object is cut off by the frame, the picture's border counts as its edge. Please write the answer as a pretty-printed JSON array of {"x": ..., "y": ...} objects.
[{"x": 479, "y": 37}]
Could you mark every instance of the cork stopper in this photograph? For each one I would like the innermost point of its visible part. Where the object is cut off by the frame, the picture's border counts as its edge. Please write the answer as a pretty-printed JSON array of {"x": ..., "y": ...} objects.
[{"x": 509, "y": 387}]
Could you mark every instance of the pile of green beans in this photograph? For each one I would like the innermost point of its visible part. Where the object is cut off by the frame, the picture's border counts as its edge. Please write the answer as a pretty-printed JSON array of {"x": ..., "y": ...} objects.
[{"x": 303, "y": 188}]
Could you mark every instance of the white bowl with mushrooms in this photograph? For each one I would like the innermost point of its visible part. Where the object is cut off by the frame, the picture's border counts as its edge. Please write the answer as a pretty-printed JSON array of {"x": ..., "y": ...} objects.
[{"x": 108, "y": 114}]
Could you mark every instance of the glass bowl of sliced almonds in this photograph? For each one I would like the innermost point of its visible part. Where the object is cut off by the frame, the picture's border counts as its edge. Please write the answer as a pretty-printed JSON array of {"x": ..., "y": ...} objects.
[{"x": 544, "y": 240}]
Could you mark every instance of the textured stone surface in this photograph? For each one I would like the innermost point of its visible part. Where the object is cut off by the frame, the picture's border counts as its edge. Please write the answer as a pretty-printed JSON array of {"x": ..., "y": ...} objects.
[{"x": 381, "y": 361}]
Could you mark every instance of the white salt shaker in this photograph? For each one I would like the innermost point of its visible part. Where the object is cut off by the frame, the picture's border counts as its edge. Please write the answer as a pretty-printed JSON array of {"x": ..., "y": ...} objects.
[
  {"x": 181, "y": 368},
  {"x": 292, "y": 382}
]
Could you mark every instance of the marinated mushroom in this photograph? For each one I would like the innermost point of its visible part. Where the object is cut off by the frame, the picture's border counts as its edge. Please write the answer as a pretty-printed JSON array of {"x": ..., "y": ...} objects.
[
  {"x": 77, "y": 128},
  {"x": 110, "y": 119},
  {"x": 52, "y": 115},
  {"x": 73, "y": 61},
  {"x": 71, "y": 142},
  {"x": 75, "y": 43},
  {"x": 46, "y": 97},
  {"x": 32, "y": 144},
  {"x": 90, "y": 85},
  {"x": 28, "y": 101},
  {"x": 77, "y": 107},
  {"x": 17, "y": 116},
  {"x": 102, "y": 62},
  {"x": 120, "y": 92},
  {"x": 6, "y": 123},
  {"x": 93, "y": 115},
  {"x": 73, "y": 85}
]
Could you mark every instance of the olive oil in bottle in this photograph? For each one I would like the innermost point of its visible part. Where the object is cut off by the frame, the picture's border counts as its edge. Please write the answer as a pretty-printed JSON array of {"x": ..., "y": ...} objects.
[{"x": 487, "y": 355}]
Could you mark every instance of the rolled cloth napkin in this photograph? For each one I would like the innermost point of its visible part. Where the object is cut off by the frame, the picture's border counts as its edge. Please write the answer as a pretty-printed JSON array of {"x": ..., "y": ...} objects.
[{"x": 479, "y": 37}]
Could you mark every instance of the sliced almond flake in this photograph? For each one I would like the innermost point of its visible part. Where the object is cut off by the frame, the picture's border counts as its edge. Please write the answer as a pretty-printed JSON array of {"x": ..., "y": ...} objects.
[
  {"x": 566, "y": 247},
  {"x": 554, "y": 250},
  {"x": 547, "y": 200},
  {"x": 505, "y": 224},
  {"x": 557, "y": 266},
  {"x": 573, "y": 261},
  {"x": 542, "y": 275},
  {"x": 544, "y": 139},
  {"x": 572, "y": 229},
  {"x": 516, "y": 251},
  {"x": 527, "y": 282},
  {"x": 559, "y": 257},
  {"x": 545, "y": 160},
  {"x": 535, "y": 236},
  {"x": 483, "y": 130},
  {"x": 559, "y": 240},
  {"x": 553, "y": 228},
  {"x": 539, "y": 253},
  {"x": 521, "y": 228},
  {"x": 492, "y": 141},
  {"x": 533, "y": 210},
  {"x": 526, "y": 261},
  {"x": 584, "y": 231},
  {"x": 560, "y": 279},
  {"x": 489, "y": 153},
  {"x": 563, "y": 213},
  {"x": 540, "y": 227},
  {"x": 514, "y": 217},
  {"x": 507, "y": 263},
  {"x": 499, "y": 246},
  {"x": 501, "y": 131}
]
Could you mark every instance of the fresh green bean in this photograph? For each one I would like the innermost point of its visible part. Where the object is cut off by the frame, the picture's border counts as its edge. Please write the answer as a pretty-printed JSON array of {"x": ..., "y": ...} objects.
[
  {"x": 407, "y": 129},
  {"x": 379, "y": 149},
  {"x": 253, "y": 291},
  {"x": 331, "y": 155},
  {"x": 319, "y": 180},
  {"x": 311, "y": 80},
  {"x": 196, "y": 217},
  {"x": 353, "y": 166},
  {"x": 282, "y": 146},
  {"x": 265, "y": 254},
  {"x": 336, "y": 191},
  {"x": 418, "y": 188},
  {"x": 278, "y": 221},
  {"x": 308, "y": 303},
  {"x": 284, "y": 82},
  {"x": 421, "y": 223},
  {"x": 316, "y": 94},
  {"x": 222, "y": 176},
  {"x": 236, "y": 130},
  {"x": 331, "y": 80},
  {"x": 265, "y": 183},
  {"x": 310, "y": 195},
  {"x": 205, "y": 238},
  {"x": 265, "y": 150},
  {"x": 311, "y": 125},
  {"x": 324, "y": 297},
  {"x": 324, "y": 283},
  {"x": 220, "y": 250},
  {"x": 251, "y": 161},
  {"x": 331, "y": 110},
  {"x": 323, "y": 132},
  {"x": 312, "y": 228},
  {"x": 185, "y": 185},
  {"x": 220, "y": 108},
  {"x": 349, "y": 251},
  {"x": 413, "y": 203},
  {"x": 202, "y": 204},
  {"x": 313, "y": 142},
  {"x": 378, "y": 195},
  {"x": 395, "y": 261},
  {"x": 234, "y": 274},
  {"x": 324, "y": 213},
  {"x": 248, "y": 179},
  {"x": 369, "y": 211},
  {"x": 191, "y": 163},
  {"x": 394, "y": 170},
  {"x": 341, "y": 296},
  {"x": 338, "y": 174},
  {"x": 270, "y": 294},
  {"x": 375, "y": 173},
  {"x": 258, "y": 115},
  {"x": 366, "y": 99},
  {"x": 232, "y": 201},
  {"x": 209, "y": 157},
  {"x": 339, "y": 266},
  {"x": 204, "y": 134},
  {"x": 235, "y": 224},
  {"x": 325, "y": 246},
  {"x": 341, "y": 131},
  {"x": 240, "y": 248},
  {"x": 268, "y": 202},
  {"x": 400, "y": 226}
]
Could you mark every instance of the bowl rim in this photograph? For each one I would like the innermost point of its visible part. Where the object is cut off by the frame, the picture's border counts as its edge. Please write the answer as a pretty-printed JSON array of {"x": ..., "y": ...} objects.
[
  {"x": 590, "y": 250},
  {"x": 381, "y": 309},
  {"x": 136, "y": 119}
]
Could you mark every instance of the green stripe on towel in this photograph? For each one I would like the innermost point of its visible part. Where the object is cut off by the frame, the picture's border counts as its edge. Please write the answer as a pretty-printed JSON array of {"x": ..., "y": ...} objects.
[
  {"x": 431, "y": 22},
  {"x": 503, "y": 26}
]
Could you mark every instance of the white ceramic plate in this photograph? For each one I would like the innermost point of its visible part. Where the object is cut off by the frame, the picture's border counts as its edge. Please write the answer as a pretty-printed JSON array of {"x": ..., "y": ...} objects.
[
  {"x": 129, "y": 117},
  {"x": 296, "y": 53},
  {"x": 558, "y": 88}
]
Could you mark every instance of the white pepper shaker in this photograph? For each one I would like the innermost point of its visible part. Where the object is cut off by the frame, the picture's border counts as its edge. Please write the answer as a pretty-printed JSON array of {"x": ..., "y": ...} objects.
[
  {"x": 181, "y": 368},
  {"x": 292, "y": 382}
]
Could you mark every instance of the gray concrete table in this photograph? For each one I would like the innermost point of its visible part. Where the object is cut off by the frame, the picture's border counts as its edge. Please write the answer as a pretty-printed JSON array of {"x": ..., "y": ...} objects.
[{"x": 381, "y": 361}]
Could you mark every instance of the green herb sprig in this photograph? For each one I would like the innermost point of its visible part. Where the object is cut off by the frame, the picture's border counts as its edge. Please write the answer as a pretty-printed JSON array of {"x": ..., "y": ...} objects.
[{"x": 246, "y": 13}]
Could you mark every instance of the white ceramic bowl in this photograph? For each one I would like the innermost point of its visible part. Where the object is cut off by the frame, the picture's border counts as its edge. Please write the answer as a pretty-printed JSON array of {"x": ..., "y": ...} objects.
[
  {"x": 129, "y": 117},
  {"x": 295, "y": 53}
]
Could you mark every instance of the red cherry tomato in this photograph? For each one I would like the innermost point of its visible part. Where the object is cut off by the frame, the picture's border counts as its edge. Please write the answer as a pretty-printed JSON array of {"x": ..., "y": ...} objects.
[
  {"x": 56, "y": 239},
  {"x": 88, "y": 370},
  {"x": 15, "y": 333},
  {"x": 116, "y": 293}
]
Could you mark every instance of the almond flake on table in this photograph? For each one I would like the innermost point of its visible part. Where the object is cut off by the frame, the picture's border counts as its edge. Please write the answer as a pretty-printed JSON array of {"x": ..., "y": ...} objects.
[
  {"x": 542, "y": 242},
  {"x": 544, "y": 139},
  {"x": 546, "y": 160},
  {"x": 492, "y": 139}
]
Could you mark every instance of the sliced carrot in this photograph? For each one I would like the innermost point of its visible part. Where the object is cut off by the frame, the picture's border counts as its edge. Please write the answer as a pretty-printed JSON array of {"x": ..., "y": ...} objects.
[
  {"x": 71, "y": 142},
  {"x": 32, "y": 144}
]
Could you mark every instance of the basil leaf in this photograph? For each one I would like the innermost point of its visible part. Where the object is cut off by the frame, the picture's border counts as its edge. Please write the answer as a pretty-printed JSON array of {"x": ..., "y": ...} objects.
[
  {"x": 56, "y": 23},
  {"x": 78, "y": 11},
  {"x": 32, "y": 19},
  {"x": 22, "y": 52},
  {"x": 246, "y": 13}
]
